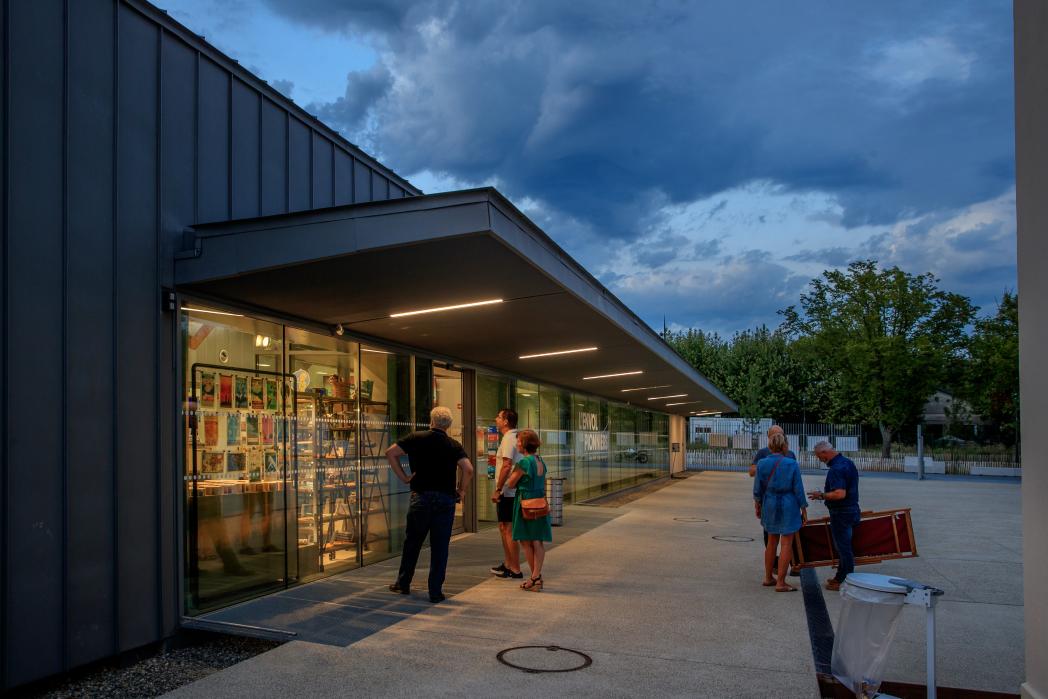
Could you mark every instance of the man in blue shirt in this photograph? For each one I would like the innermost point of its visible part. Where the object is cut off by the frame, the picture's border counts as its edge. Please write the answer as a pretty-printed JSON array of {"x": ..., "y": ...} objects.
[{"x": 841, "y": 496}]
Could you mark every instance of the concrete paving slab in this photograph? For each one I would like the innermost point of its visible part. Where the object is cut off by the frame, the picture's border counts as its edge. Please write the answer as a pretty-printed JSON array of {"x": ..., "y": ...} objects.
[{"x": 660, "y": 606}]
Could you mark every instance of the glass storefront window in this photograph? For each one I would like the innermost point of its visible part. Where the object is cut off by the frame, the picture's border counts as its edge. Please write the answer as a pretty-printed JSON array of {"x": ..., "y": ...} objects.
[
  {"x": 236, "y": 457},
  {"x": 493, "y": 394},
  {"x": 327, "y": 529},
  {"x": 590, "y": 422},
  {"x": 386, "y": 415},
  {"x": 556, "y": 435},
  {"x": 285, "y": 439},
  {"x": 527, "y": 405}
]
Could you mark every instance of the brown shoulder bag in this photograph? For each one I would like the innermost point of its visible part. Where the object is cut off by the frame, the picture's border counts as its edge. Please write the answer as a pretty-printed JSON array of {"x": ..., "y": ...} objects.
[{"x": 535, "y": 508}]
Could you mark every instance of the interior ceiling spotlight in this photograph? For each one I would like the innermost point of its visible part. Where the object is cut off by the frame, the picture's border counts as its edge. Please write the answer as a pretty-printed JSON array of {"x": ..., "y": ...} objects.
[{"x": 339, "y": 330}]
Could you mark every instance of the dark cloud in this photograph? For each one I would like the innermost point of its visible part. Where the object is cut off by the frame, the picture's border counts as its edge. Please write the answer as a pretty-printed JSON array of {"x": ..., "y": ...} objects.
[
  {"x": 706, "y": 249},
  {"x": 384, "y": 16},
  {"x": 607, "y": 114},
  {"x": 284, "y": 87},
  {"x": 833, "y": 257},
  {"x": 972, "y": 253},
  {"x": 735, "y": 292},
  {"x": 597, "y": 108},
  {"x": 363, "y": 90}
]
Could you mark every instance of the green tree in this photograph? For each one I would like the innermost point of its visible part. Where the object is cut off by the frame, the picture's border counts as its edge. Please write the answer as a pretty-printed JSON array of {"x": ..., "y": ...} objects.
[
  {"x": 886, "y": 335},
  {"x": 758, "y": 369},
  {"x": 991, "y": 383},
  {"x": 704, "y": 351}
]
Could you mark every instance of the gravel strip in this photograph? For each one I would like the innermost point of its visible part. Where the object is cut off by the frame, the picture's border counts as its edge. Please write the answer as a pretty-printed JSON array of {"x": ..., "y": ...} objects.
[{"x": 160, "y": 673}]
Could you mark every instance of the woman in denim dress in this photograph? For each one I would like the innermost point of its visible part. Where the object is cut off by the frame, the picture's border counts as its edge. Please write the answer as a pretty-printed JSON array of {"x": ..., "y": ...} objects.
[{"x": 781, "y": 506}]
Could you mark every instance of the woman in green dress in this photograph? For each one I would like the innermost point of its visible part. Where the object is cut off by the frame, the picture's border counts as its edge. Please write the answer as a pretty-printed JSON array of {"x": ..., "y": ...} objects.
[{"x": 529, "y": 478}]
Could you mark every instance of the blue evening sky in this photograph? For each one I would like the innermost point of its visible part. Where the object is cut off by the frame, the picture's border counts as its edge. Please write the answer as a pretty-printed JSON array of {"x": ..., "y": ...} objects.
[{"x": 704, "y": 160}]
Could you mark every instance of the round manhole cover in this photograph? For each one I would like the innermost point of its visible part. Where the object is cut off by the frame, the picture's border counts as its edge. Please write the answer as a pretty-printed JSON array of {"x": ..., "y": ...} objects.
[
  {"x": 544, "y": 659},
  {"x": 734, "y": 539},
  {"x": 689, "y": 519}
]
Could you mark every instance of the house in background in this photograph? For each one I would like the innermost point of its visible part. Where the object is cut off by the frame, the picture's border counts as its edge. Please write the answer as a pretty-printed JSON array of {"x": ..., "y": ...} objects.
[{"x": 946, "y": 415}]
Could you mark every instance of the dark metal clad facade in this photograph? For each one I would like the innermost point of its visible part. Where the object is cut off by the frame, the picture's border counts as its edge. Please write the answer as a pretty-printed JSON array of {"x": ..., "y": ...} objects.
[
  {"x": 91, "y": 575},
  {"x": 323, "y": 173},
  {"x": 299, "y": 155},
  {"x": 34, "y": 386},
  {"x": 137, "y": 316},
  {"x": 5, "y": 64},
  {"x": 120, "y": 128}
]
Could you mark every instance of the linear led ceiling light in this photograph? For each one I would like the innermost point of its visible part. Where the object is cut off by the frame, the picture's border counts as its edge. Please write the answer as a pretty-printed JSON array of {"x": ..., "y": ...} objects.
[
  {"x": 611, "y": 376},
  {"x": 644, "y": 388},
  {"x": 551, "y": 354},
  {"x": 217, "y": 313},
  {"x": 445, "y": 308},
  {"x": 705, "y": 412},
  {"x": 675, "y": 395},
  {"x": 687, "y": 402}
]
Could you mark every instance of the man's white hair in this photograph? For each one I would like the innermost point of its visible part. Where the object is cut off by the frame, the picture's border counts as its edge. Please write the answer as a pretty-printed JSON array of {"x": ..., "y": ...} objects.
[
  {"x": 822, "y": 446},
  {"x": 440, "y": 417}
]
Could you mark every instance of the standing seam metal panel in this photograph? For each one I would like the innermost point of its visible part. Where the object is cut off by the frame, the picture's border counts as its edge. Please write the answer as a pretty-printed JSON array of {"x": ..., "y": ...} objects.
[
  {"x": 274, "y": 159},
  {"x": 4, "y": 562},
  {"x": 177, "y": 194},
  {"x": 361, "y": 182},
  {"x": 89, "y": 297},
  {"x": 323, "y": 175},
  {"x": 244, "y": 138},
  {"x": 35, "y": 312},
  {"x": 213, "y": 143},
  {"x": 299, "y": 169},
  {"x": 343, "y": 184},
  {"x": 137, "y": 291}
]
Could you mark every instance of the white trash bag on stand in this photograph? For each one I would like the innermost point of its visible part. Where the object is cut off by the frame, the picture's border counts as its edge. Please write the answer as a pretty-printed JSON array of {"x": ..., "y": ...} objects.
[{"x": 870, "y": 607}]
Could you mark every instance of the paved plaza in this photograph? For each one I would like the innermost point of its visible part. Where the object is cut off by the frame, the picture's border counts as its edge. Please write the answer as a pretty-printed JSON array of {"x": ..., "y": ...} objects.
[{"x": 661, "y": 607}]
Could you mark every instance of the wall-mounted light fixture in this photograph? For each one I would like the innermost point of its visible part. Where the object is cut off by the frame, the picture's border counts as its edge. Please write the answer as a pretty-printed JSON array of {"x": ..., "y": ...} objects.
[{"x": 263, "y": 341}]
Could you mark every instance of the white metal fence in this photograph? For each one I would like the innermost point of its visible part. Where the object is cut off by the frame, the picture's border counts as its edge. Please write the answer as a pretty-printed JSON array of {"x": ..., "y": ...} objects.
[
  {"x": 717, "y": 459},
  {"x": 729, "y": 444}
]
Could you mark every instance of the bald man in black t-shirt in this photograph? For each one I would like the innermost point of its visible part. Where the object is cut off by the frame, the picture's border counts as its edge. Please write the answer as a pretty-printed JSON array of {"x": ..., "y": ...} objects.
[{"x": 435, "y": 459}]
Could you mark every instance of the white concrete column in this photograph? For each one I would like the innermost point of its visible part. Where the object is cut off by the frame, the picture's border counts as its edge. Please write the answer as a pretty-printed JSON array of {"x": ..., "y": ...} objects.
[{"x": 1031, "y": 161}]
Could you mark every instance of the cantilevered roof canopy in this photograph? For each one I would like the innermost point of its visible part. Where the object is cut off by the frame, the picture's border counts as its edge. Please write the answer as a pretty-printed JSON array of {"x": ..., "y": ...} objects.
[{"x": 359, "y": 265}]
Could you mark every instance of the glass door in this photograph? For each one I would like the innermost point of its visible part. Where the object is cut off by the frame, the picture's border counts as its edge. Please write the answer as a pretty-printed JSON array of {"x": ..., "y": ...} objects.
[
  {"x": 328, "y": 533},
  {"x": 239, "y": 503},
  {"x": 447, "y": 392}
]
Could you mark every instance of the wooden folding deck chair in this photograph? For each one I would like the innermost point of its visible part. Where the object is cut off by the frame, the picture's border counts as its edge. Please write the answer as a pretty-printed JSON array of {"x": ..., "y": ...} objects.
[{"x": 879, "y": 536}]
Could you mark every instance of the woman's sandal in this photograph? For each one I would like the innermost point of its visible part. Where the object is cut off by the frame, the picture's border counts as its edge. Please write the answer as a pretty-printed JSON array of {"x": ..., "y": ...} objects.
[
  {"x": 768, "y": 583},
  {"x": 786, "y": 588},
  {"x": 532, "y": 584}
]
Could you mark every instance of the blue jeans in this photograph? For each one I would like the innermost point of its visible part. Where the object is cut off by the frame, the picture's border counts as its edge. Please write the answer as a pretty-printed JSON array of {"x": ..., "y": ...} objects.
[
  {"x": 841, "y": 526},
  {"x": 431, "y": 513}
]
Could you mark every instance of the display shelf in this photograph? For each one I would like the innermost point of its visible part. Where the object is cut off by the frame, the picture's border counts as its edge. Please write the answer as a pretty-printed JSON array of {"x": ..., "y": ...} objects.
[{"x": 338, "y": 487}]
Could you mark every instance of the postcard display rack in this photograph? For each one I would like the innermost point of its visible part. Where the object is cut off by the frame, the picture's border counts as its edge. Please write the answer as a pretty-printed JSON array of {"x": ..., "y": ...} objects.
[
  {"x": 338, "y": 492},
  {"x": 237, "y": 442}
]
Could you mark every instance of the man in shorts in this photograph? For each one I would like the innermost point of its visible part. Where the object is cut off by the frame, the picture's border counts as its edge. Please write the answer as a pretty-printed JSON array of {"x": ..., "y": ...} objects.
[{"x": 505, "y": 497}]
